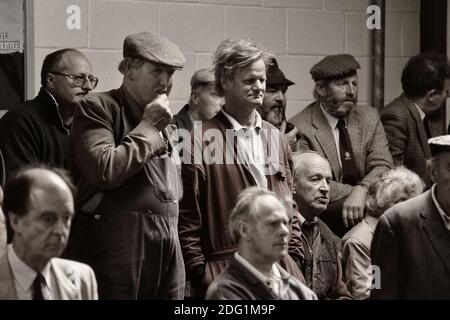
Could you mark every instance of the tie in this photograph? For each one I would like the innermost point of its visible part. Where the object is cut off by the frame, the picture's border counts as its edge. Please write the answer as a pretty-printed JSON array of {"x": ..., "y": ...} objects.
[
  {"x": 349, "y": 171},
  {"x": 426, "y": 124},
  {"x": 37, "y": 287}
]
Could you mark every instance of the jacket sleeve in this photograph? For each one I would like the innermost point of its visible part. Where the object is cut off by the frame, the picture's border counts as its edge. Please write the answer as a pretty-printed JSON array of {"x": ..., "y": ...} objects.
[
  {"x": 103, "y": 161},
  {"x": 385, "y": 255},
  {"x": 356, "y": 259},
  {"x": 396, "y": 135}
]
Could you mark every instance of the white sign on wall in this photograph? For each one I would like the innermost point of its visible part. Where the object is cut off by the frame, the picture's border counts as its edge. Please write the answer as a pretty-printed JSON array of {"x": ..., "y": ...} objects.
[{"x": 11, "y": 26}]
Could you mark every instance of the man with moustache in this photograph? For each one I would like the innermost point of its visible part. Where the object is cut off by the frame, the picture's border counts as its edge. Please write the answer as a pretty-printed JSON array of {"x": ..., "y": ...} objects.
[
  {"x": 273, "y": 108},
  {"x": 39, "y": 205},
  {"x": 322, "y": 264},
  {"x": 123, "y": 145},
  {"x": 351, "y": 137},
  {"x": 38, "y": 130},
  {"x": 260, "y": 225},
  {"x": 211, "y": 184}
]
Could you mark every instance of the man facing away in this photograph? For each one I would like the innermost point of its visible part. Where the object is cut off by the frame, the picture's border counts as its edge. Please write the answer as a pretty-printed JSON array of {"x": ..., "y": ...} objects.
[
  {"x": 413, "y": 117},
  {"x": 123, "y": 145},
  {"x": 39, "y": 205},
  {"x": 350, "y": 136},
  {"x": 260, "y": 224}
]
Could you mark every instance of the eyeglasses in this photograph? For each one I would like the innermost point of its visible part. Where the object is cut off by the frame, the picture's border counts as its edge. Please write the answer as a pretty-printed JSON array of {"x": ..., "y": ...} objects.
[{"x": 79, "y": 81}]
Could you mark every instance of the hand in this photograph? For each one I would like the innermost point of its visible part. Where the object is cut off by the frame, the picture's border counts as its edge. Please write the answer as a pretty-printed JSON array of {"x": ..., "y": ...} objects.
[
  {"x": 353, "y": 206},
  {"x": 292, "y": 138},
  {"x": 158, "y": 112}
]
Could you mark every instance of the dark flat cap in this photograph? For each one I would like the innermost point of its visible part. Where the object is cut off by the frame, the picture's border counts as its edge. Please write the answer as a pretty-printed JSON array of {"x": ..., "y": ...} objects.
[
  {"x": 202, "y": 77},
  {"x": 335, "y": 66},
  {"x": 439, "y": 144},
  {"x": 275, "y": 75},
  {"x": 153, "y": 48}
]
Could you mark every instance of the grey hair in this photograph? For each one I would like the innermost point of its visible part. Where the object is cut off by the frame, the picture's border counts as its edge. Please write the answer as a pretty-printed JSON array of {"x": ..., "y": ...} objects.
[
  {"x": 129, "y": 63},
  {"x": 383, "y": 192},
  {"x": 298, "y": 160},
  {"x": 233, "y": 54},
  {"x": 247, "y": 207}
]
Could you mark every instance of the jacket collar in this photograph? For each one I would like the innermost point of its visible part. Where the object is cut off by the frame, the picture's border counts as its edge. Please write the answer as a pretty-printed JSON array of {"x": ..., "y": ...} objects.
[{"x": 47, "y": 101}]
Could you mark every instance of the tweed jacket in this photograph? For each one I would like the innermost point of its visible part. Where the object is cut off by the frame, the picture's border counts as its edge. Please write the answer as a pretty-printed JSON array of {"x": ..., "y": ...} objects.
[
  {"x": 367, "y": 137},
  {"x": 406, "y": 135},
  {"x": 76, "y": 281},
  {"x": 411, "y": 247},
  {"x": 237, "y": 283}
]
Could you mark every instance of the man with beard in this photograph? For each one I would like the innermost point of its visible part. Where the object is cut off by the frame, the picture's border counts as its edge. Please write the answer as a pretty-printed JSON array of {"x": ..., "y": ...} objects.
[
  {"x": 273, "y": 109},
  {"x": 414, "y": 117},
  {"x": 351, "y": 137}
]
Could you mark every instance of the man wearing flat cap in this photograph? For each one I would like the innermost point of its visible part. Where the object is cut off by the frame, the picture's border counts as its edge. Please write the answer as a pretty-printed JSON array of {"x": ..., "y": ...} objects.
[
  {"x": 205, "y": 102},
  {"x": 273, "y": 109},
  {"x": 412, "y": 239},
  {"x": 122, "y": 143},
  {"x": 348, "y": 135}
]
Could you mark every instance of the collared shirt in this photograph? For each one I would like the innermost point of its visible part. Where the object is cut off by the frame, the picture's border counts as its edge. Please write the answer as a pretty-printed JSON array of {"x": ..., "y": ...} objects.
[
  {"x": 441, "y": 211},
  {"x": 24, "y": 277},
  {"x": 332, "y": 122},
  {"x": 66, "y": 126},
  {"x": 274, "y": 283},
  {"x": 250, "y": 146},
  {"x": 421, "y": 113}
]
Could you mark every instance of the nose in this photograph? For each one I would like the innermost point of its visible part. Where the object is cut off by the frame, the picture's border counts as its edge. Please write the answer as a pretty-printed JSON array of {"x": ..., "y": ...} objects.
[
  {"x": 88, "y": 85},
  {"x": 279, "y": 96},
  {"x": 284, "y": 229},
  {"x": 165, "y": 78},
  {"x": 324, "y": 186},
  {"x": 259, "y": 85},
  {"x": 351, "y": 89}
]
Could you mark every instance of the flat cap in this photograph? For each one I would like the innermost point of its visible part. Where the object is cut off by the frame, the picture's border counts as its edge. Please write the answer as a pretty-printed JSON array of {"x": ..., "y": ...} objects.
[
  {"x": 202, "y": 77},
  {"x": 439, "y": 144},
  {"x": 275, "y": 75},
  {"x": 334, "y": 66},
  {"x": 154, "y": 48}
]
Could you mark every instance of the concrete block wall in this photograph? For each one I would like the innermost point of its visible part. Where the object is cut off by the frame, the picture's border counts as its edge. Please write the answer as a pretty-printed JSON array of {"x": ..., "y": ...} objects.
[{"x": 299, "y": 32}]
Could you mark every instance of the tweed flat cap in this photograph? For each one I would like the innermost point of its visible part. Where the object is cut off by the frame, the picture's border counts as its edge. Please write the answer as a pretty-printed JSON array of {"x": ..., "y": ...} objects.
[
  {"x": 275, "y": 75},
  {"x": 153, "y": 48},
  {"x": 334, "y": 66},
  {"x": 439, "y": 144},
  {"x": 202, "y": 77}
]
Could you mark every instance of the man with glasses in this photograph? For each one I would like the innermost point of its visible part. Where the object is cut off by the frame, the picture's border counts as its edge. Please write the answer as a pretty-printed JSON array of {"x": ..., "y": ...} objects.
[{"x": 38, "y": 130}]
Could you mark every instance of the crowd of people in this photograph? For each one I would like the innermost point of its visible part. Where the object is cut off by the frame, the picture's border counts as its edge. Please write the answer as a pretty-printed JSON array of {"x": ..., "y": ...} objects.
[{"x": 107, "y": 195}]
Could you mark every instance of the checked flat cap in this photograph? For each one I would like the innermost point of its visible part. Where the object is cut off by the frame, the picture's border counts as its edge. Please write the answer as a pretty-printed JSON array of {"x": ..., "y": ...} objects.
[
  {"x": 439, "y": 144},
  {"x": 153, "y": 48},
  {"x": 334, "y": 66},
  {"x": 202, "y": 77}
]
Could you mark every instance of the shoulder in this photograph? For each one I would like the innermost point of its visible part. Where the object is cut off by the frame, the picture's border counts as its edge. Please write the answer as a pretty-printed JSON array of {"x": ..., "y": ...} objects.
[
  {"x": 227, "y": 287},
  {"x": 407, "y": 212},
  {"x": 327, "y": 234},
  {"x": 72, "y": 268},
  {"x": 368, "y": 114},
  {"x": 304, "y": 116}
]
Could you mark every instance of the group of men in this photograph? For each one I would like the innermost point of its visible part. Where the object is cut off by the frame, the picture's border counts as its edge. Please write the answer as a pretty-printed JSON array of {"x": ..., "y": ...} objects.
[{"x": 214, "y": 196}]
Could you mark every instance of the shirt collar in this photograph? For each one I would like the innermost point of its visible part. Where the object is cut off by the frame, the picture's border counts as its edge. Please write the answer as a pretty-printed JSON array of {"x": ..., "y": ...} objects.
[
  {"x": 421, "y": 113},
  {"x": 441, "y": 211},
  {"x": 332, "y": 121},
  {"x": 24, "y": 274},
  {"x": 258, "y": 274},
  {"x": 301, "y": 220},
  {"x": 237, "y": 126}
]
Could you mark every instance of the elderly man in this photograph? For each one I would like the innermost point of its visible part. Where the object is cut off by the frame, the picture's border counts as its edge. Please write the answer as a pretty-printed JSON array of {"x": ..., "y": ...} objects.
[
  {"x": 123, "y": 145},
  {"x": 349, "y": 136},
  {"x": 413, "y": 117},
  {"x": 38, "y": 130},
  {"x": 273, "y": 108},
  {"x": 238, "y": 150},
  {"x": 204, "y": 103},
  {"x": 394, "y": 186},
  {"x": 260, "y": 224},
  {"x": 411, "y": 241},
  {"x": 39, "y": 204},
  {"x": 322, "y": 264}
]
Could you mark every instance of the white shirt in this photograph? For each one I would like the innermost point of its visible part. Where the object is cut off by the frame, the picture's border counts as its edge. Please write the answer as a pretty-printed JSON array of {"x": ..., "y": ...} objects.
[
  {"x": 421, "y": 113},
  {"x": 273, "y": 283},
  {"x": 441, "y": 211},
  {"x": 24, "y": 277},
  {"x": 332, "y": 122},
  {"x": 250, "y": 147}
]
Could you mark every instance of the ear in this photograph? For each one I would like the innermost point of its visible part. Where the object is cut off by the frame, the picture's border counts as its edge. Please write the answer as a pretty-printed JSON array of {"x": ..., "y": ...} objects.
[
  {"x": 431, "y": 94},
  {"x": 321, "y": 89},
  {"x": 243, "y": 230},
  {"x": 15, "y": 222},
  {"x": 432, "y": 170},
  {"x": 50, "y": 80},
  {"x": 194, "y": 97},
  {"x": 225, "y": 82}
]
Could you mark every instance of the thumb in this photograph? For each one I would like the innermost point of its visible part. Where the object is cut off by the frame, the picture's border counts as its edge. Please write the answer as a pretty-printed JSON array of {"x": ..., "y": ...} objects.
[{"x": 283, "y": 127}]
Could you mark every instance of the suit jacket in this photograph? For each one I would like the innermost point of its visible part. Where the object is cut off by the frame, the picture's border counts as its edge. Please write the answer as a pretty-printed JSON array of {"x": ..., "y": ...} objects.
[
  {"x": 236, "y": 282},
  {"x": 76, "y": 281},
  {"x": 411, "y": 247},
  {"x": 367, "y": 137},
  {"x": 407, "y": 137}
]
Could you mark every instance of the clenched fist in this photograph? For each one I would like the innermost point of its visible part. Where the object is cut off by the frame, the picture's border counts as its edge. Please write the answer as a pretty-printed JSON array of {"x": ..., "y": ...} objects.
[{"x": 158, "y": 112}]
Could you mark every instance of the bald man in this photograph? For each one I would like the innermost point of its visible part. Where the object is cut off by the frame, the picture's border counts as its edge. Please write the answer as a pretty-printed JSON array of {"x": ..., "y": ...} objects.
[{"x": 39, "y": 205}]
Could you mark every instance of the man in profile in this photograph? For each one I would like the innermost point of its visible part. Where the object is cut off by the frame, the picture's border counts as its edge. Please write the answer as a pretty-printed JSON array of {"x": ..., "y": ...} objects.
[{"x": 39, "y": 205}]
